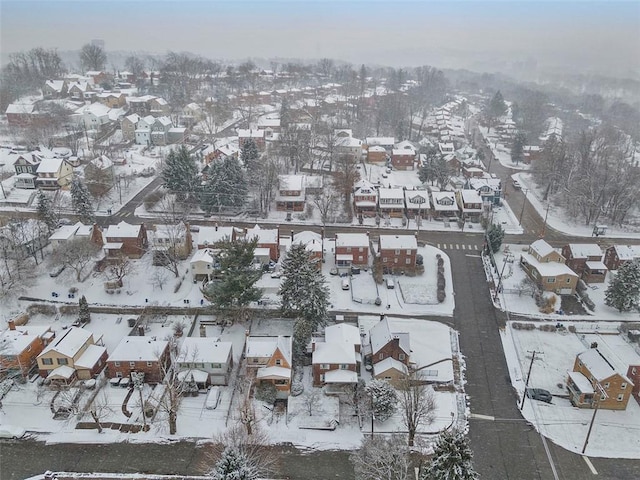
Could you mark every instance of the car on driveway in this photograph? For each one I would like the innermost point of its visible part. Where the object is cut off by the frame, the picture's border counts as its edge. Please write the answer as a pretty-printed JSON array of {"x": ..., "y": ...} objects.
[
  {"x": 539, "y": 394},
  {"x": 516, "y": 185}
]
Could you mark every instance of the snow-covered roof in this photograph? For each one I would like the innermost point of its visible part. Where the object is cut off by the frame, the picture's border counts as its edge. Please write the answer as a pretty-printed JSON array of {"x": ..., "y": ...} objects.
[
  {"x": 206, "y": 255},
  {"x": 542, "y": 248},
  {"x": 390, "y": 193},
  {"x": 387, "y": 364},
  {"x": 627, "y": 252},
  {"x": 380, "y": 141},
  {"x": 204, "y": 350},
  {"x": 592, "y": 265},
  {"x": 15, "y": 341},
  {"x": 56, "y": 85},
  {"x": 402, "y": 152},
  {"x": 213, "y": 235},
  {"x": 69, "y": 344},
  {"x": 326, "y": 352},
  {"x": 600, "y": 367},
  {"x": 585, "y": 250},
  {"x": 444, "y": 201},
  {"x": 90, "y": 356},
  {"x": 20, "y": 108},
  {"x": 123, "y": 230},
  {"x": 381, "y": 334},
  {"x": 341, "y": 376},
  {"x": 352, "y": 240},
  {"x": 582, "y": 382},
  {"x": 416, "y": 199},
  {"x": 102, "y": 162},
  {"x": 377, "y": 148},
  {"x": 398, "y": 242},
  {"x": 243, "y": 133},
  {"x": 291, "y": 182},
  {"x": 471, "y": 197},
  {"x": 143, "y": 349},
  {"x": 64, "y": 371},
  {"x": 133, "y": 118},
  {"x": 64, "y": 232},
  {"x": 312, "y": 240},
  {"x": 265, "y": 347},
  {"x": 273, "y": 372},
  {"x": 548, "y": 269},
  {"x": 50, "y": 165},
  {"x": 265, "y": 236}
]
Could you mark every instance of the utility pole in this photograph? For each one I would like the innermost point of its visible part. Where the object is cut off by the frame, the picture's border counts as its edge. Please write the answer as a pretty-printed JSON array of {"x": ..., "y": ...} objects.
[
  {"x": 526, "y": 383},
  {"x": 524, "y": 202},
  {"x": 602, "y": 395},
  {"x": 505, "y": 260},
  {"x": 544, "y": 225}
]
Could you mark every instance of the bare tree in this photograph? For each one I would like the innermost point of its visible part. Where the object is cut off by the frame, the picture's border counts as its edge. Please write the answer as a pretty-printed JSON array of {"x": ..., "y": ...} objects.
[
  {"x": 174, "y": 234},
  {"x": 382, "y": 458},
  {"x": 92, "y": 57},
  {"x": 173, "y": 388},
  {"x": 99, "y": 182},
  {"x": 100, "y": 410},
  {"x": 248, "y": 414},
  {"x": 326, "y": 202},
  {"x": 120, "y": 268},
  {"x": 417, "y": 404},
  {"x": 158, "y": 278},
  {"x": 345, "y": 177},
  {"x": 76, "y": 254},
  {"x": 311, "y": 400}
]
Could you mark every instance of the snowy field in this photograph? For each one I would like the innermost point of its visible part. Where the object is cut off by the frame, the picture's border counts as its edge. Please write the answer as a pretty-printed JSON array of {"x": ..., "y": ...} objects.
[{"x": 615, "y": 433}]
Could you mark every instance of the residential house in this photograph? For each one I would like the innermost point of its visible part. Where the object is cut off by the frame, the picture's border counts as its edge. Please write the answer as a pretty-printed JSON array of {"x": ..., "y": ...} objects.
[
  {"x": 170, "y": 241},
  {"x": 209, "y": 360},
  {"x": 470, "y": 203},
  {"x": 80, "y": 91},
  {"x": 596, "y": 383},
  {"x": 139, "y": 354},
  {"x": 204, "y": 265},
  {"x": 335, "y": 358},
  {"x": 20, "y": 346},
  {"x": 365, "y": 199},
  {"x": 26, "y": 165},
  {"x": 256, "y": 135},
  {"x": 160, "y": 131},
  {"x": 68, "y": 352},
  {"x": 416, "y": 203},
  {"x": 389, "y": 352},
  {"x": 446, "y": 147},
  {"x": 313, "y": 184},
  {"x": 100, "y": 169},
  {"x": 268, "y": 238},
  {"x": 143, "y": 130},
  {"x": 348, "y": 145},
  {"x": 55, "y": 89},
  {"x": 67, "y": 233},
  {"x": 95, "y": 116},
  {"x": 545, "y": 266},
  {"x": 376, "y": 154},
  {"x": 403, "y": 156},
  {"x": 140, "y": 105},
  {"x": 530, "y": 153},
  {"x": 387, "y": 143},
  {"x": 99, "y": 77},
  {"x": 352, "y": 249},
  {"x": 125, "y": 239},
  {"x": 112, "y": 99},
  {"x": 585, "y": 259},
  {"x": 314, "y": 245},
  {"x": 191, "y": 114},
  {"x": 391, "y": 202},
  {"x": 398, "y": 253},
  {"x": 20, "y": 114},
  {"x": 291, "y": 194},
  {"x": 270, "y": 124},
  {"x": 159, "y": 107},
  {"x": 129, "y": 126},
  {"x": 444, "y": 205},
  {"x": 471, "y": 171},
  {"x": 490, "y": 189},
  {"x": 209, "y": 237},
  {"x": 617, "y": 255},
  {"x": 54, "y": 173},
  {"x": 271, "y": 359}
]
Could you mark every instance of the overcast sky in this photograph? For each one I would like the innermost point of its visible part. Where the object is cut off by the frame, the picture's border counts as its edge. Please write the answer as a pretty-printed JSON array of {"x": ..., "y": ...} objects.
[{"x": 603, "y": 36}]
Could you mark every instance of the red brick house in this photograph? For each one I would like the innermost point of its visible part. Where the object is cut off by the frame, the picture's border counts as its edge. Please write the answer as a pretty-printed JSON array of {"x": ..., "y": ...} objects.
[
  {"x": 313, "y": 243},
  {"x": 403, "y": 156},
  {"x": 20, "y": 347},
  {"x": 365, "y": 199},
  {"x": 271, "y": 357},
  {"x": 586, "y": 260},
  {"x": 385, "y": 343},
  {"x": 617, "y": 255},
  {"x": 398, "y": 252},
  {"x": 376, "y": 154},
  {"x": 139, "y": 354},
  {"x": 291, "y": 194},
  {"x": 125, "y": 239},
  {"x": 352, "y": 249},
  {"x": 256, "y": 135},
  {"x": 336, "y": 356},
  {"x": 267, "y": 238}
]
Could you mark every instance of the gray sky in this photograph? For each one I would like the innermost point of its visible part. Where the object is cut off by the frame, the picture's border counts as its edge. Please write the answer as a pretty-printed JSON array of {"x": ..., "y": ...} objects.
[{"x": 584, "y": 35}]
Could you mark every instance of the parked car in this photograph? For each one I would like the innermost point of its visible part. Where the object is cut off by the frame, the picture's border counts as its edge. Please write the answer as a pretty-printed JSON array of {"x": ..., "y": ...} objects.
[
  {"x": 213, "y": 398},
  {"x": 276, "y": 274},
  {"x": 390, "y": 283},
  {"x": 539, "y": 394},
  {"x": 9, "y": 431},
  {"x": 333, "y": 271},
  {"x": 516, "y": 185},
  {"x": 345, "y": 284}
]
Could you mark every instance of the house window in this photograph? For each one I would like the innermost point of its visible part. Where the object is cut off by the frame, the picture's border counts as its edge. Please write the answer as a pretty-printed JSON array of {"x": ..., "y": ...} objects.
[
  {"x": 255, "y": 360},
  {"x": 47, "y": 361},
  {"x": 381, "y": 356},
  {"x": 344, "y": 366},
  {"x": 117, "y": 364},
  {"x": 149, "y": 364},
  {"x": 118, "y": 374},
  {"x": 568, "y": 280},
  {"x": 397, "y": 252},
  {"x": 623, "y": 386},
  {"x": 633, "y": 371},
  {"x": 551, "y": 280},
  {"x": 62, "y": 361},
  {"x": 360, "y": 249},
  {"x": 384, "y": 259},
  {"x": 408, "y": 252},
  {"x": 132, "y": 364},
  {"x": 620, "y": 397},
  {"x": 281, "y": 382},
  {"x": 216, "y": 365},
  {"x": 322, "y": 377},
  {"x": 395, "y": 260},
  {"x": 408, "y": 261},
  {"x": 606, "y": 386},
  {"x": 401, "y": 356},
  {"x": 324, "y": 366},
  {"x": 278, "y": 362}
]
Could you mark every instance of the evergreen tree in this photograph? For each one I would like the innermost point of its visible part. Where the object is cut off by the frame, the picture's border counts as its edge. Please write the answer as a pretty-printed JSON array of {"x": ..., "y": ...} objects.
[
  {"x": 249, "y": 155},
  {"x": 517, "y": 149},
  {"x": 235, "y": 289},
  {"x": 81, "y": 201},
  {"x": 304, "y": 291},
  {"x": 84, "y": 315},
  {"x": 495, "y": 235},
  {"x": 226, "y": 186},
  {"x": 623, "y": 292},
  {"x": 452, "y": 459},
  {"x": 45, "y": 211},
  {"x": 180, "y": 173},
  {"x": 234, "y": 465},
  {"x": 382, "y": 398}
]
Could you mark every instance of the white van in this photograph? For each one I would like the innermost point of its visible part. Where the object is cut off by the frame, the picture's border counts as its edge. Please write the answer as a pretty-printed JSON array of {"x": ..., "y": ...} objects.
[
  {"x": 345, "y": 284},
  {"x": 213, "y": 398},
  {"x": 390, "y": 283}
]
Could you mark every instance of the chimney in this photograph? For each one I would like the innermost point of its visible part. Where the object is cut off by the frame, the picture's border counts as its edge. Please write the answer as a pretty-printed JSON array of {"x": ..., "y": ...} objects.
[{"x": 12, "y": 325}]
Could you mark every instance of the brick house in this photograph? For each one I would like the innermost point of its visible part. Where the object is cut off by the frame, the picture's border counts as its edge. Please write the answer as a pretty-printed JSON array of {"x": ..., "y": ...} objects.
[
  {"x": 377, "y": 155},
  {"x": 416, "y": 203},
  {"x": 139, "y": 354},
  {"x": 80, "y": 91},
  {"x": 391, "y": 202},
  {"x": 385, "y": 343},
  {"x": 256, "y": 135},
  {"x": 365, "y": 199},
  {"x": 617, "y": 255},
  {"x": 403, "y": 156},
  {"x": 291, "y": 194},
  {"x": 125, "y": 239},
  {"x": 20, "y": 347},
  {"x": 313, "y": 243},
  {"x": 592, "y": 371},
  {"x": 398, "y": 252},
  {"x": 586, "y": 260},
  {"x": 209, "y": 237},
  {"x": 444, "y": 205},
  {"x": 170, "y": 241},
  {"x": 266, "y": 238},
  {"x": 335, "y": 358},
  {"x": 20, "y": 114},
  {"x": 55, "y": 89},
  {"x": 470, "y": 203},
  {"x": 352, "y": 249},
  {"x": 271, "y": 359},
  {"x": 545, "y": 266},
  {"x": 75, "y": 353}
]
